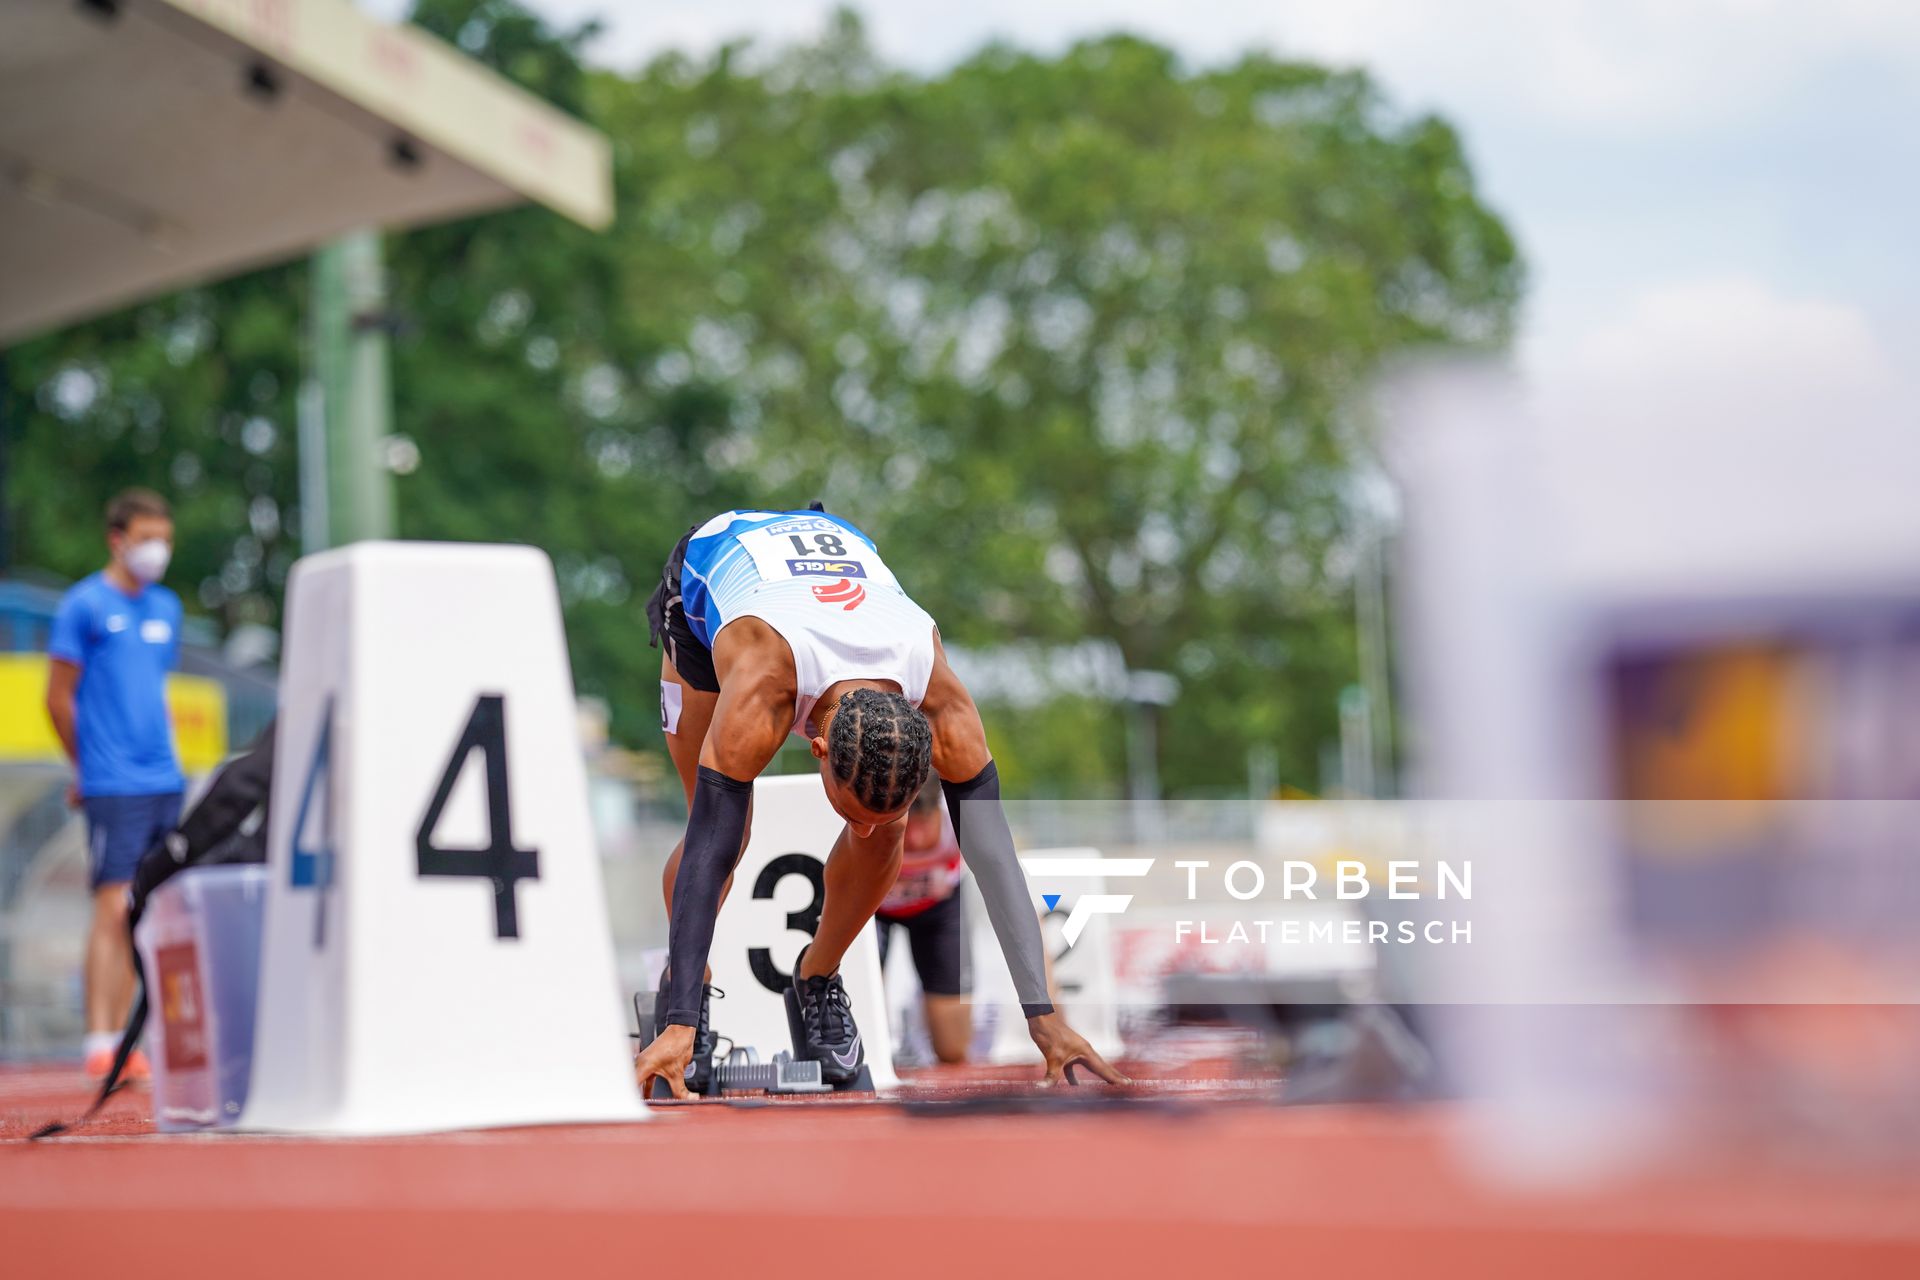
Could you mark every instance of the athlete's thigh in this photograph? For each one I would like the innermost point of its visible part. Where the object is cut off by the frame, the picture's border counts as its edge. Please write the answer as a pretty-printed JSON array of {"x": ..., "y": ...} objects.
[{"x": 687, "y": 730}]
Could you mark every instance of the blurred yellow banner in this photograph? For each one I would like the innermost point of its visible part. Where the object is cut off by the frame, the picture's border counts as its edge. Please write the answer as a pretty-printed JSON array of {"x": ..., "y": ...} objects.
[{"x": 198, "y": 706}]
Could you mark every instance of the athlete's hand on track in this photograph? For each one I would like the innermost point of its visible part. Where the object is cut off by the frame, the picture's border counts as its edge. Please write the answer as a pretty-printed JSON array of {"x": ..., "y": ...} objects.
[
  {"x": 1063, "y": 1046},
  {"x": 667, "y": 1058}
]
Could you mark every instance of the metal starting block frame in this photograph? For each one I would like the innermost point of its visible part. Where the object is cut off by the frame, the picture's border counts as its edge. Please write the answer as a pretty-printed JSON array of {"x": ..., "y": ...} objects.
[{"x": 743, "y": 1072}]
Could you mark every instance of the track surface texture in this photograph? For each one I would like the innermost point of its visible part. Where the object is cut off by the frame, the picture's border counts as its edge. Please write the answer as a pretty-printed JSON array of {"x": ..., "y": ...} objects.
[{"x": 970, "y": 1174}]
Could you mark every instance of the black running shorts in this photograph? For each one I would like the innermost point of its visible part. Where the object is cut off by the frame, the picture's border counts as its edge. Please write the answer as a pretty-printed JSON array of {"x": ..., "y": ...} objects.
[
  {"x": 667, "y": 619},
  {"x": 938, "y": 937}
]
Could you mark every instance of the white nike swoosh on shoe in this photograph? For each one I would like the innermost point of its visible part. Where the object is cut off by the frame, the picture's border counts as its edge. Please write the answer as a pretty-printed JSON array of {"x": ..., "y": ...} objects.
[{"x": 853, "y": 1054}]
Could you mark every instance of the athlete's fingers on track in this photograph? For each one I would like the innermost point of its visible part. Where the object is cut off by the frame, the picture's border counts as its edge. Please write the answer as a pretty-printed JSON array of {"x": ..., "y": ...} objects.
[
  {"x": 1102, "y": 1068},
  {"x": 675, "y": 1083},
  {"x": 648, "y": 1073},
  {"x": 1088, "y": 1058},
  {"x": 1058, "y": 1058}
]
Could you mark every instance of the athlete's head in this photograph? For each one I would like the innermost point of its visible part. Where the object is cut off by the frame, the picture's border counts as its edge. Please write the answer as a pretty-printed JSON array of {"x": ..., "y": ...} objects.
[{"x": 874, "y": 757}]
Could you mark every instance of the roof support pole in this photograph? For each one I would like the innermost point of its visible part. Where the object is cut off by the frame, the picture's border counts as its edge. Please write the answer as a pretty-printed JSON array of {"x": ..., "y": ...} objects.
[
  {"x": 6, "y": 482},
  {"x": 348, "y": 329}
]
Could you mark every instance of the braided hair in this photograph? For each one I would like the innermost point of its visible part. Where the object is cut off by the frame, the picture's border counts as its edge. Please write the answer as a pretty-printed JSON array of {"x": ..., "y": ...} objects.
[{"x": 881, "y": 747}]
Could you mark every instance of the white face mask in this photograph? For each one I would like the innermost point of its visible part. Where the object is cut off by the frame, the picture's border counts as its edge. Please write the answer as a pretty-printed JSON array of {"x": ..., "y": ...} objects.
[{"x": 147, "y": 560}]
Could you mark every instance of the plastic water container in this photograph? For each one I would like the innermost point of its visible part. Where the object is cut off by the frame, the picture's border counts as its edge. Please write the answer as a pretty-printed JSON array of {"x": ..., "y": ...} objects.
[{"x": 200, "y": 943}]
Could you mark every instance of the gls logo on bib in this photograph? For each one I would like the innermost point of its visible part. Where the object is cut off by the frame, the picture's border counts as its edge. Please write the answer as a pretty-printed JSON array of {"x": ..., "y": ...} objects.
[{"x": 831, "y": 568}]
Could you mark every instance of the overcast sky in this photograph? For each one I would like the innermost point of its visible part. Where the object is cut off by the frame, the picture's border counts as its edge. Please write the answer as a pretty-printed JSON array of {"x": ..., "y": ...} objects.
[{"x": 1737, "y": 180}]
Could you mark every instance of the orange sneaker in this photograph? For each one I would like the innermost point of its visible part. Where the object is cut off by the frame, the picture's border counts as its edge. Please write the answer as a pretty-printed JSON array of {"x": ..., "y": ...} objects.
[{"x": 100, "y": 1061}]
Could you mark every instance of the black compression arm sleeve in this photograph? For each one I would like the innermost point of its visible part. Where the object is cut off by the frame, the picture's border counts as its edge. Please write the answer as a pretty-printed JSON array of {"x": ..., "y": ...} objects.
[
  {"x": 986, "y": 842},
  {"x": 714, "y": 831}
]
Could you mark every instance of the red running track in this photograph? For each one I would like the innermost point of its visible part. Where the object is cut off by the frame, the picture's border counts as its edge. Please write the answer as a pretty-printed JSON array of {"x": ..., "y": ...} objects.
[{"x": 1188, "y": 1179}]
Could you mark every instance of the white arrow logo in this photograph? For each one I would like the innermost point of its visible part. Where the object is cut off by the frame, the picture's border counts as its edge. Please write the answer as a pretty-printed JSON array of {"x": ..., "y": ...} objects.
[{"x": 1094, "y": 904}]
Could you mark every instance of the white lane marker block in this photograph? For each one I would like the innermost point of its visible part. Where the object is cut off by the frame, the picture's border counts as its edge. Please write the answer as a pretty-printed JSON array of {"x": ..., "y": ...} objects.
[
  {"x": 436, "y": 953},
  {"x": 770, "y": 914},
  {"x": 1083, "y": 973}
]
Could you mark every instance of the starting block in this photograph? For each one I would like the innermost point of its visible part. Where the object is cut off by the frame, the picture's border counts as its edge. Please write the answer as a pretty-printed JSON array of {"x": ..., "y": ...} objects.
[
  {"x": 740, "y": 1069},
  {"x": 743, "y": 1073},
  {"x": 435, "y": 949},
  {"x": 779, "y": 886}
]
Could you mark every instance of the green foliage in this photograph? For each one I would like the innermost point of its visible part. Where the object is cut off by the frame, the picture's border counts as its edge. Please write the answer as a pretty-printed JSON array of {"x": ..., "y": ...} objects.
[
  {"x": 1076, "y": 339},
  {"x": 502, "y": 384},
  {"x": 192, "y": 395}
]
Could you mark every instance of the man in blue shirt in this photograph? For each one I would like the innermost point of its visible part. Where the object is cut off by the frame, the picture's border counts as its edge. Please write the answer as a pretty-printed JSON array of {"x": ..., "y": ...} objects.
[{"x": 115, "y": 638}]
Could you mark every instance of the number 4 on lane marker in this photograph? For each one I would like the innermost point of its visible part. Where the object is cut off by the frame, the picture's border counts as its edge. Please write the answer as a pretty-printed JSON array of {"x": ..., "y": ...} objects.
[{"x": 499, "y": 861}]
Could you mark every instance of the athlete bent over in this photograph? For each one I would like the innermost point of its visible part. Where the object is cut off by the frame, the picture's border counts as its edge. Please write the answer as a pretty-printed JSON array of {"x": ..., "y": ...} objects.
[{"x": 789, "y": 621}]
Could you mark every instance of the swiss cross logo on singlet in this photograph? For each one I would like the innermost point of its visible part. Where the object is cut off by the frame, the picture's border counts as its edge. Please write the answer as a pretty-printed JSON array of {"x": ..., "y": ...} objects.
[{"x": 846, "y": 593}]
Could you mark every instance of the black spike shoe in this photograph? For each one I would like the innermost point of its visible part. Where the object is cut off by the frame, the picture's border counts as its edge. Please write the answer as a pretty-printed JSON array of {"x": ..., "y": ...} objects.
[{"x": 824, "y": 1029}]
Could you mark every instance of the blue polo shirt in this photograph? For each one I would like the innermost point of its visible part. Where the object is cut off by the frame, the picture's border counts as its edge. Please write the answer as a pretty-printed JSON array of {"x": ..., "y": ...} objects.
[{"x": 124, "y": 646}]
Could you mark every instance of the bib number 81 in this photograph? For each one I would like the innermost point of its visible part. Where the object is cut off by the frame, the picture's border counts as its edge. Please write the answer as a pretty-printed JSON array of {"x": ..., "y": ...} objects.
[{"x": 825, "y": 544}]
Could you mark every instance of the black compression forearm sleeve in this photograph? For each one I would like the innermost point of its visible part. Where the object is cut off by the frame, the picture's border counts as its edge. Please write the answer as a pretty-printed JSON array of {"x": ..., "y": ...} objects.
[
  {"x": 714, "y": 831},
  {"x": 986, "y": 842}
]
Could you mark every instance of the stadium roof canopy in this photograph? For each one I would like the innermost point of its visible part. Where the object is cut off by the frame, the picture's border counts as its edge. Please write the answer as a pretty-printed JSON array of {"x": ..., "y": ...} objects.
[{"x": 150, "y": 144}]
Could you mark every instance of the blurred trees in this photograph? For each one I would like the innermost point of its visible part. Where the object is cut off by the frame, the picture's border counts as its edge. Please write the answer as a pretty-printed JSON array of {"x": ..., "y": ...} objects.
[
  {"x": 193, "y": 395},
  {"x": 1076, "y": 339}
]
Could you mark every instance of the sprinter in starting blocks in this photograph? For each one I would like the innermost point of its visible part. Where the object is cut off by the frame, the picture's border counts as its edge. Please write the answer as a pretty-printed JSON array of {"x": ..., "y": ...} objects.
[{"x": 780, "y": 622}]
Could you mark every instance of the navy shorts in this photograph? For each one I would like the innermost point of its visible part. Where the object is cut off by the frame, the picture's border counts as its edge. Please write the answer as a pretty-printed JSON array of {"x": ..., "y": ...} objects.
[
  {"x": 667, "y": 619},
  {"x": 938, "y": 936},
  {"x": 120, "y": 830}
]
